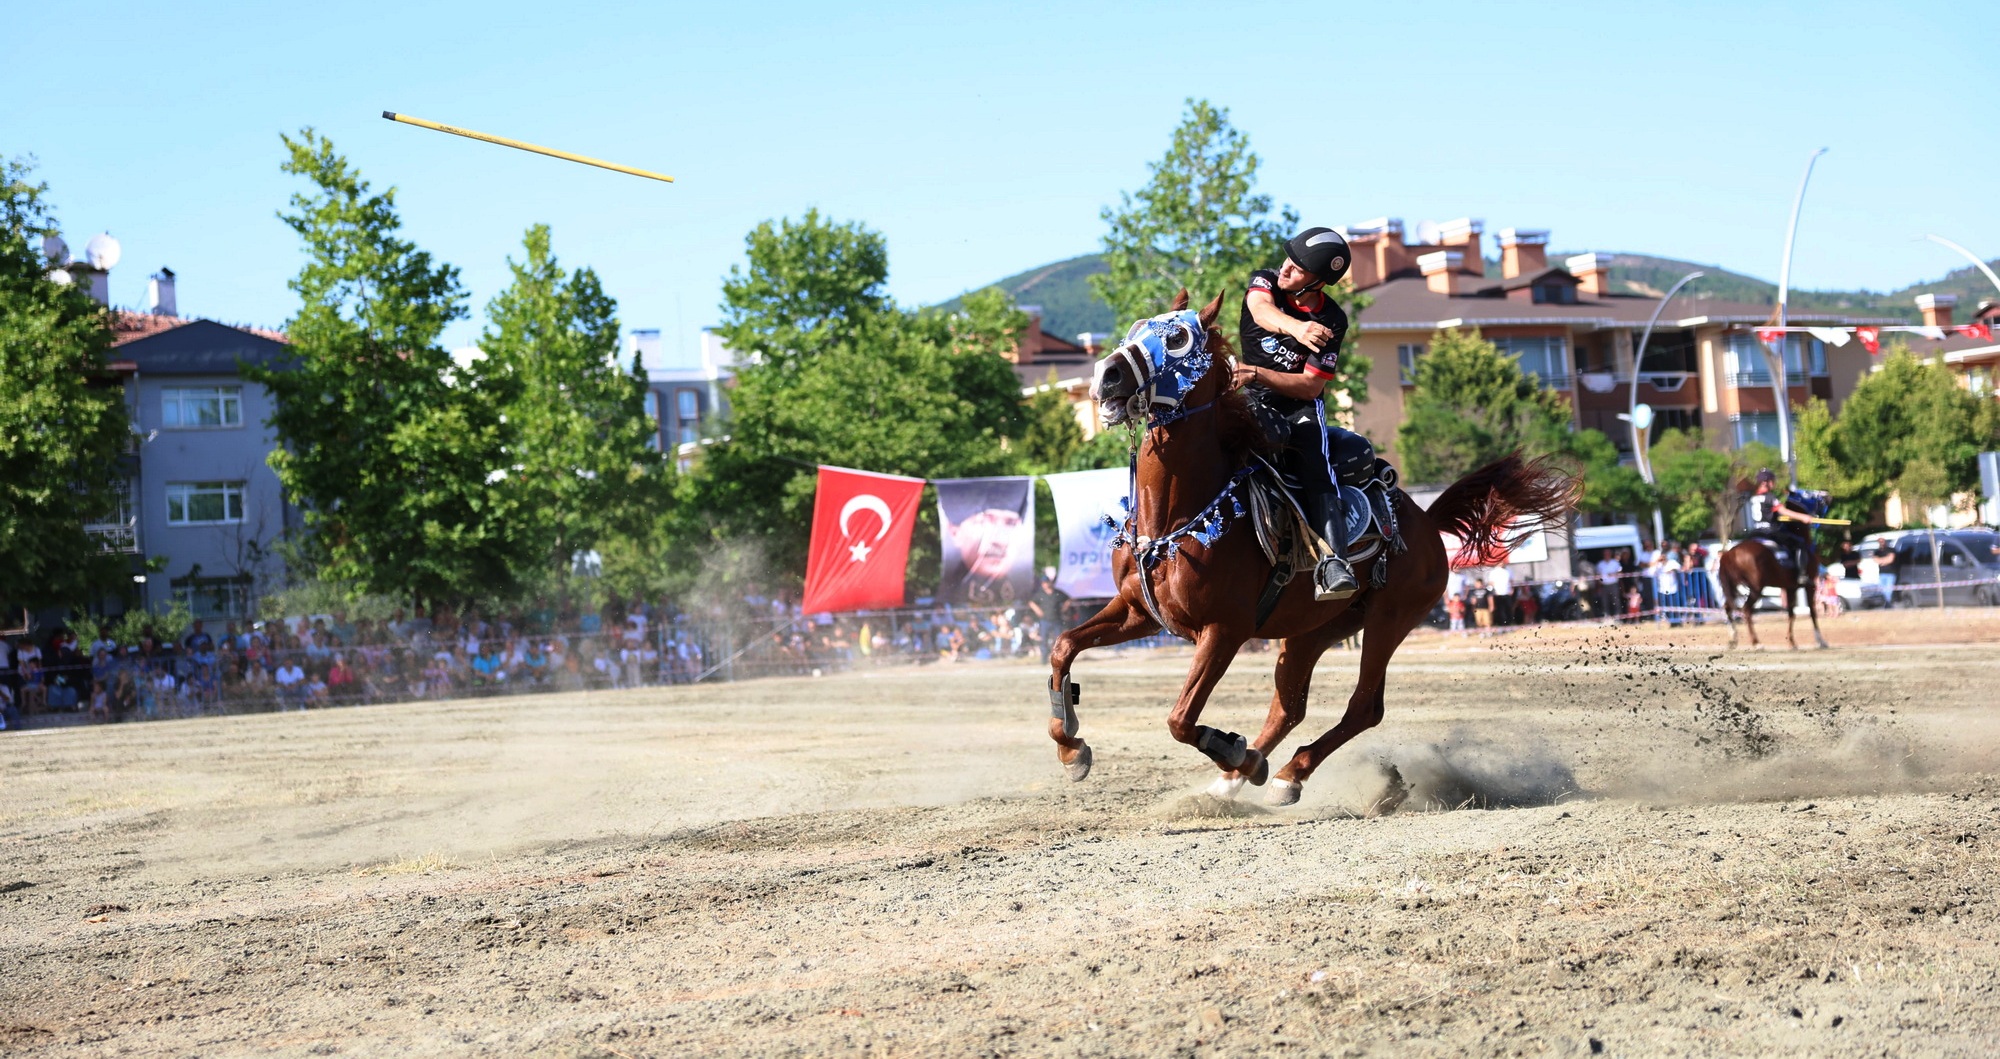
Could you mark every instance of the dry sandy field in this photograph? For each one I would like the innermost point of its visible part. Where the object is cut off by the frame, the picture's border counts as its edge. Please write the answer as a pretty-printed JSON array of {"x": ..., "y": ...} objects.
[{"x": 1619, "y": 842}]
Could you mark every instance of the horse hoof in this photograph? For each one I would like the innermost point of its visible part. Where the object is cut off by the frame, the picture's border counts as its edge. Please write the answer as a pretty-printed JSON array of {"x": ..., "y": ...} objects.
[
  {"x": 1078, "y": 767},
  {"x": 1225, "y": 788},
  {"x": 1394, "y": 794},
  {"x": 1283, "y": 792}
]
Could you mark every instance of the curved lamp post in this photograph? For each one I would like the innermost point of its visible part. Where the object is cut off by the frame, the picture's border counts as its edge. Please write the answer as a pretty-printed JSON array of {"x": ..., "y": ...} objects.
[
  {"x": 1641, "y": 416},
  {"x": 1779, "y": 384},
  {"x": 1969, "y": 256}
]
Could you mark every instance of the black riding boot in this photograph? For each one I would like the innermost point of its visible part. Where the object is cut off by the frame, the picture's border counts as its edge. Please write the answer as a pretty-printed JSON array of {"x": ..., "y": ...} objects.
[{"x": 1334, "y": 579}]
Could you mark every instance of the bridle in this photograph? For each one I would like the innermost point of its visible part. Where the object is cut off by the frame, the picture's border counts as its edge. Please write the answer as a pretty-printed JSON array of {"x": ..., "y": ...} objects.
[{"x": 1167, "y": 356}]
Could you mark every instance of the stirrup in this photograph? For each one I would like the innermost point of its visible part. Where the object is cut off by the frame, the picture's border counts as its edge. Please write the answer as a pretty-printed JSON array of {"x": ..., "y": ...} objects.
[{"x": 1334, "y": 580}]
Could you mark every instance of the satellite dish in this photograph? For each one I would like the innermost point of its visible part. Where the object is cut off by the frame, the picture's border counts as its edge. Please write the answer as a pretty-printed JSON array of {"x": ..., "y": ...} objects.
[
  {"x": 1427, "y": 233},
  {"x": 102, "y": 252},
  {"x": 55, "y": 249}
]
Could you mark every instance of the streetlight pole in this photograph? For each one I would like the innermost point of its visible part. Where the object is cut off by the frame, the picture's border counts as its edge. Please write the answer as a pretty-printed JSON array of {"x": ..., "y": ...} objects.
[
  {"x": 1641, "y": 425},
  {"x": 1969, "y": 256},
  {"x": 1779, "y": 384}
]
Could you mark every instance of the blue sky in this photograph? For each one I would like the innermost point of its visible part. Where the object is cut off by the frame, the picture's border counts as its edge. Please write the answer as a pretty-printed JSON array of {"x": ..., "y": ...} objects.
[{"x": 982, "y": 139}]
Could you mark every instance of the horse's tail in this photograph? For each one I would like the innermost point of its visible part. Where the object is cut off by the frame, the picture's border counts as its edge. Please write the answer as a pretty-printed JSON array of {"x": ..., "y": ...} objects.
[{"x": 1504, "y": 501}]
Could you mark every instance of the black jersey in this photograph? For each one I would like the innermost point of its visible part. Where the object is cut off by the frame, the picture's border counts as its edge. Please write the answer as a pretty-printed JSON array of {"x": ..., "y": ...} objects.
[{"x": 1283, "y": 353}]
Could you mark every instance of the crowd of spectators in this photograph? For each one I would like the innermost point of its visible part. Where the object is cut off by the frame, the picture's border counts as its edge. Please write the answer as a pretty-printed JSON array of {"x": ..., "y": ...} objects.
[
  {"x": 800, "y": 643},
  {"x": 328, "y": 660},
  {"x": 1672, "y": 584}
]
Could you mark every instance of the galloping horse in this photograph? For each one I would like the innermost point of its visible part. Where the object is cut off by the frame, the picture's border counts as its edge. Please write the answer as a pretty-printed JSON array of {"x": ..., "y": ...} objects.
[
  {"x": 1753, "y": 564},
  {"x": 1183, "y": 569}
]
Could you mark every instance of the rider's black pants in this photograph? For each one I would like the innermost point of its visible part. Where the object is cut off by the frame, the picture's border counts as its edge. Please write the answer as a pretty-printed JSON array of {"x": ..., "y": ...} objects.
[{"x": 1311, "y": 460}]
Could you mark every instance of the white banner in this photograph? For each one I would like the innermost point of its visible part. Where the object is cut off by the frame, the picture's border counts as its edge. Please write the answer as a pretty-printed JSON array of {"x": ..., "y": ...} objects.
[{"x": 1083, "y": 499}]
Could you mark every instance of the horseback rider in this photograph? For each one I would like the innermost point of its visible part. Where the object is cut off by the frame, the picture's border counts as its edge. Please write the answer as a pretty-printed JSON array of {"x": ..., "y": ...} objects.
[
  {"x": 1291, "y": 334},
  {"x": 1773, "y": 519}
]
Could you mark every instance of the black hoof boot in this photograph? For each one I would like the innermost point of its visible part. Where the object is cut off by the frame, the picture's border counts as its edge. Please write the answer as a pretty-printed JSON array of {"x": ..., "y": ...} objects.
[{"x": 1226, "y": 749}]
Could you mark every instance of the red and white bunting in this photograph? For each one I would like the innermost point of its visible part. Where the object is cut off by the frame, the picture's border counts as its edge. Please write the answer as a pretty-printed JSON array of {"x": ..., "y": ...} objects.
[{"x": 1870, "y": 337}]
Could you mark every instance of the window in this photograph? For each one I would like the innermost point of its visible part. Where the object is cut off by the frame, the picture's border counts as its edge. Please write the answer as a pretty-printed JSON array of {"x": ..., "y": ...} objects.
[
  {"x": 1755, "y": 426},
  {"x": 1670, "y": 351},
  {"x": 195, "y": 407},
  {"x": 1747, "y": 366},
  {"x": 687, "y": 408},
  {"x": 214, "y": 597},
  {"x": 1676, "y": 419},
  {"x": 1556, "y": 293},
  {"x": 1406, "y": 361},
  {"x": 204, "y": 503},
  {"x": 653, "y": 417},
  {"x": 1547, "y": 358}
]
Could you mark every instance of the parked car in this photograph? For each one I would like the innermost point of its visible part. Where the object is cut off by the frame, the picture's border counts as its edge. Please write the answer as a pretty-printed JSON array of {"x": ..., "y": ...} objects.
[{"x": 1966, "y": 563}]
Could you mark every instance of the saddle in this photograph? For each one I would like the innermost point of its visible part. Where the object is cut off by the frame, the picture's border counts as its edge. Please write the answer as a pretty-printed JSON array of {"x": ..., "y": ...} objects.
[
  {"x": 1290, "y": 540},
  {"x": 1785, "y": 553}
]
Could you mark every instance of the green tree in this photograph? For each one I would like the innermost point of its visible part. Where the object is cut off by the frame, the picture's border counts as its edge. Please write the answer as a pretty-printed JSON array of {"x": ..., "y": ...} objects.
[
  {"x": 1608, "y": 486},
  {"x": 1904, "y": 412},
  {"x": 393, "y": 452},
  {"x": 903, "y": 403},
  {"x": 576, "y": 430},
  {"x": 1196, "y": 224},
  {"x": 63, "y": 427},
  {"x": 1050, "y": 436},
  {"x": 805, "y": 287},
  {"x": 1471, "y": 405},
  {"x": 1692, "y": 482},
  {"x": 1199, "y": 224}
]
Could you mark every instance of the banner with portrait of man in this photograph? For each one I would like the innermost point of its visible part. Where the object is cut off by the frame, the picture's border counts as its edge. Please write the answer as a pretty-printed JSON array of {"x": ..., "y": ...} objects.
[{"x": 988, "y": 526}]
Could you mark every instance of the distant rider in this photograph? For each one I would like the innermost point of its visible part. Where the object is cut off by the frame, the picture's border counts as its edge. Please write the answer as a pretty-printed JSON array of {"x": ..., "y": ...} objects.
[
  {"x": 1767, "y": 507},
  {"x": 1291, "y": 332}
]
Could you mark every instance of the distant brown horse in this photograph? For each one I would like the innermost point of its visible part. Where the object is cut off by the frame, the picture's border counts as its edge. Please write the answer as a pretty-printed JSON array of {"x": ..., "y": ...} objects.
[
  {"x": 1752, "y": 564},
  {"x": 1196, "y": 444}
]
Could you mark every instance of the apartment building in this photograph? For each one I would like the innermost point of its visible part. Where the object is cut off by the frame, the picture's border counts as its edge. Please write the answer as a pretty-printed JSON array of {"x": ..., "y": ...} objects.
[
  {"x": 202, "y": 503},
  {"x": 1976, "y": 360},
  {"x": 1565, "y": 324},
  {"x": 685, "y": 394}
]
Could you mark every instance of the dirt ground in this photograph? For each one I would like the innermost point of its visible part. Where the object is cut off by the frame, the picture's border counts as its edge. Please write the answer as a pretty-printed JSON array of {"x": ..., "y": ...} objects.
[{"x": 1625, "y": 842}]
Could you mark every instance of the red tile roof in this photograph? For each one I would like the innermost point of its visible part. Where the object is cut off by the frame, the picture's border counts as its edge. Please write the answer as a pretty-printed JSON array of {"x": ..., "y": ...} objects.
[{"x": 129, "y": 326}]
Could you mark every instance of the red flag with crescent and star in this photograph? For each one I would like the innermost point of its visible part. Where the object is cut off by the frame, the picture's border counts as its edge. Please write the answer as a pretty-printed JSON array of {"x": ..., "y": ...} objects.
[{"x": 860, "y": 539}]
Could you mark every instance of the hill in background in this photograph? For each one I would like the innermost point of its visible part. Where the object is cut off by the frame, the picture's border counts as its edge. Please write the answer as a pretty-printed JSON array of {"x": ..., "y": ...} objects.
[{"x": 1070, "y": 307}]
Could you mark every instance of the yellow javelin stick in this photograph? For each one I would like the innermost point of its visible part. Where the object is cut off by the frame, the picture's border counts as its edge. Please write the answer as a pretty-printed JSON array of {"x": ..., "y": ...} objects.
[{"x": 523, "y": 146}]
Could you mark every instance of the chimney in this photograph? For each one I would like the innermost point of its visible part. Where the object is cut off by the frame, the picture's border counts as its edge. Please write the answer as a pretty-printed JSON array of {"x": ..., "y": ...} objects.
[
  {"x": 1442, "y": 270},
  {"x": 1092, "y": 341},
  {"x": 1936, "y": 308},
  {"x": 1593, "y": 273},
  {"x": 1463, "y": 235},
  {"x": 1523, "y": 252},
  {"x": 160, "y": 293},
  {"x": 1379, "y": 253}
]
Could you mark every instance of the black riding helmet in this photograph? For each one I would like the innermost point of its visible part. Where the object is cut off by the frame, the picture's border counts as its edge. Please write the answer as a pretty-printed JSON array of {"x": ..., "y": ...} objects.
[{"x": 1320, "y": 251}]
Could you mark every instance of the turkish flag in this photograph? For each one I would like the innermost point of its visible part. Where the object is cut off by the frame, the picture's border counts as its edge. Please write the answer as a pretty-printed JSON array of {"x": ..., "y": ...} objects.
[
  {"x": 1770, "y": 336},
  {"x": 1871, "y": 338},
  {"x": 860, "y": 539},
  {"x": 1983, "y": 332}
]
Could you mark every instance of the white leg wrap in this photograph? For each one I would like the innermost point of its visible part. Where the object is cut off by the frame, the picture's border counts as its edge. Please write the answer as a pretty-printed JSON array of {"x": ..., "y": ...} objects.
[{"x": 1226, "y": 788}]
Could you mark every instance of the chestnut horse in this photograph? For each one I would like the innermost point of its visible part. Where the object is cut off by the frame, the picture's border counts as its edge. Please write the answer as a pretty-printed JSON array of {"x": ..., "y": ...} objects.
[
  {"x": 1175, "y": 376},
  {"x": 1753, "y": 565}
]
